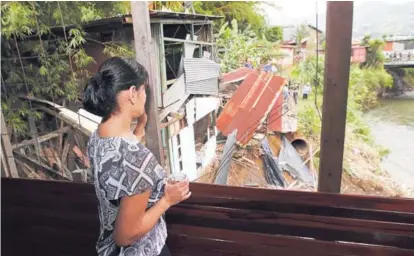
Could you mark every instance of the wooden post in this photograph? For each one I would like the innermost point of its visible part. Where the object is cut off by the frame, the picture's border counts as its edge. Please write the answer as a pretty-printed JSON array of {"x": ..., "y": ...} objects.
[
  {"x": 335, "y": 95},
  {"x": 143, "y": 50},
  {"x": 8, "y": 165}
]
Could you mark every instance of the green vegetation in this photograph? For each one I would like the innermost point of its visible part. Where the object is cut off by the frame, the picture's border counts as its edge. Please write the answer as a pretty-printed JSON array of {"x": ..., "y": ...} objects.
[
  {"x": 246, "y": 13},
  {"x": 408, "y": 77},
  {"x": 361, "y": 155},
  {"x": 35, "y": 62},
  {"x": 274, "y": 34},
  {"x": 239, "y": 45},
  {"x": 375, "y": 57}
]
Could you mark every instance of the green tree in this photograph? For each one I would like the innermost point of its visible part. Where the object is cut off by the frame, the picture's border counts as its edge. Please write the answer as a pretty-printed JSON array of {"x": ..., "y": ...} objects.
[
  {"x": 247, "y": 13},
  {"x": 309, "y": 70},
  {"x": 274, "y": 34},
  {"x": 375, "y": 57},
  {"x": 237, "y": 45},
  {"x": 37, "y": 63}
]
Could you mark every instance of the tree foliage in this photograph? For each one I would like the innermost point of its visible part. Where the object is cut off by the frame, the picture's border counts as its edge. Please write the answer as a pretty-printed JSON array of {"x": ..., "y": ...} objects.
[
  {"x": 238, "y": 45},
  {"x": 36, "y": 62},
  {"x": 247, "y": 13},
  {"x": 310, "y": 71},
  {"x": 274, "y": 34},
  {"x": 302, "y": 31},
  {"x": 375, "y": 57}
]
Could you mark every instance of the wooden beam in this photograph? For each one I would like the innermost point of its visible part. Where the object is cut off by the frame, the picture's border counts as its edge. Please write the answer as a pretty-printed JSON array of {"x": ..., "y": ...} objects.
[
  {"x": 34, "y": 135},
  {"x": 65, "y": 119},
  {"x": 7, "y": 159},
  {"x": 31, "y": 162},
  {"x": 335, "y": 94},
  {"x": 42, "y": 138},
  {"x": 176, "y": 119},
  {"x": 144, "y": 55}
]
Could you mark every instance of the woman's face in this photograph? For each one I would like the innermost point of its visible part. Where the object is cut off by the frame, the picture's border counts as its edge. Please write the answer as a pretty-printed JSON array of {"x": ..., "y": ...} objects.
[
  {"x": 140, "y": 99},
  {"x": 132, "y": 101}
]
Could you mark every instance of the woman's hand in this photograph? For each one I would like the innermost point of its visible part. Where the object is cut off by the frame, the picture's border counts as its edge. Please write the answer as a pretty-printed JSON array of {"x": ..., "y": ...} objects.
[
  {"x": 177, "y": 192},
  {"x": 141, "y": 123}
]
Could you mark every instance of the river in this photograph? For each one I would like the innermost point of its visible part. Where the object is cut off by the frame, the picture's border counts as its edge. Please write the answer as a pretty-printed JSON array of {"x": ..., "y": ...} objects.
[{"x": 392, "y": 125}]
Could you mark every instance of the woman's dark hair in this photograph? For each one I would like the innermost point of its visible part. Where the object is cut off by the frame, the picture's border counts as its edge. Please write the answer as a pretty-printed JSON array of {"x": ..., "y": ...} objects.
[{"x": 114, "y": 75}]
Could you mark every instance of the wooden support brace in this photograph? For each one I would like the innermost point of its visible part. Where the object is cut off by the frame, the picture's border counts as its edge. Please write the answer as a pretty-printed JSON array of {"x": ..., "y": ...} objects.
[
  {"x": 42, "y": 138},
  {"x": 8, "y": 165},
  {"x": 144, "y": 55},
  {"x": 335, "y": 94}
]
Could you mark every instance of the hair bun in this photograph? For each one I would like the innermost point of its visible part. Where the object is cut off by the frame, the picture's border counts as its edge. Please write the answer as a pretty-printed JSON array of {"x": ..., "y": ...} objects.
[{"x": 93, "y": 95}]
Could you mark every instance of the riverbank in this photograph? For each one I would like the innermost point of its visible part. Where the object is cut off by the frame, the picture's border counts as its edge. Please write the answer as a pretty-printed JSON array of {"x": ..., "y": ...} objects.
[
  {"x": 392, "y": 126},
  {"x": 363, "y": 171}
]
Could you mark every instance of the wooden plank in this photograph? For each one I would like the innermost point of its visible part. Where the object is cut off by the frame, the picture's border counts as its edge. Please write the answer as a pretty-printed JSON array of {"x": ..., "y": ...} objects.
[
  {"x": 335, "y": 94},
  {"x": 298, "y": 207},
  {"x": 34, "y": 135},
  {"x": 298, "y": 245},
  {"x": 268, "y": 223},
  {"x": 304, "y": 220},
  {"x": 144, "y": 55},
  {"x": 69, "y": 144},
  {"x": 27, "y": 160},
  {"x": 7, "y": 158},
  {"x": 306, "y": 198},
  {"x": 245, "y": 198},
  {"x": 44, "y": 208},
  {"x": 42, "y": 138},
  {"x": 65, "y": 119}
]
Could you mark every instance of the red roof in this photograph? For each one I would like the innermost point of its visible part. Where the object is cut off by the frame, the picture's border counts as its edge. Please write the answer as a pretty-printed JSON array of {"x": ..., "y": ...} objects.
[
  {"x": 274, "y": 121},
  {"x": 235, "y": 76},
  {"x": 250, "y": 104}
]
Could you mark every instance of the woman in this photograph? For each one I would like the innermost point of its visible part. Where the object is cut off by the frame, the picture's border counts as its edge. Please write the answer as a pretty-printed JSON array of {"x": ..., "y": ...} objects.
[{"x": 129, "y": 182}]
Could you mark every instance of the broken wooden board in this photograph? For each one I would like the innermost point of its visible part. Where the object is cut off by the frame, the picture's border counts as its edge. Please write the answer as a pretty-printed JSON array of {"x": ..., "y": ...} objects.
[
  {"x": 42, "y": 138},
  {"x": 183, "y": 154},
  {"x": 199, "y": 107},
  {"x": 174, "y": 98}
]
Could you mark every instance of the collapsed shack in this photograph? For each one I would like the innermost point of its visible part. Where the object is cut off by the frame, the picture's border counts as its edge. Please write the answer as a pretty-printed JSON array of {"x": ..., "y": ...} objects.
[{"x": 260, "y": 123}]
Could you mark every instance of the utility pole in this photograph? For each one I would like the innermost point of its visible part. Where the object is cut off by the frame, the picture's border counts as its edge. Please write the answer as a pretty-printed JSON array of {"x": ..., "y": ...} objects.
[
  {"x": 335, "y": 94},
  {"x": 144, "y": 55}
]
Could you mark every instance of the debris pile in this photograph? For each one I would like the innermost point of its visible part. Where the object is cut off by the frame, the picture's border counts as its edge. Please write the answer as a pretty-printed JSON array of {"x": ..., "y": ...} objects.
[
  {"x": 257, "y": 120},
  {"x": 59, "y": 154}
]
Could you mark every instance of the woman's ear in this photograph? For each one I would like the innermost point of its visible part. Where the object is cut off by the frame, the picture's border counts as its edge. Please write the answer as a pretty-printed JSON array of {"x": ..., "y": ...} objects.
[{"x": 132, "y": 94}]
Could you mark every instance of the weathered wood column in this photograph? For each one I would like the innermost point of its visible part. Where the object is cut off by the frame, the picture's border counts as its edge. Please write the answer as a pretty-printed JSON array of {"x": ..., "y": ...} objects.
[
  {"x": 8, "y": 165},
  {"x": 143, "y": 53},
  {"x": 335, "y": 95}
]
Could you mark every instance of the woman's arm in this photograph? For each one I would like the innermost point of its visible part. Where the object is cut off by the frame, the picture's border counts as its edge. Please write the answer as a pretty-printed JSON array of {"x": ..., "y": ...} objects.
[{"x": 133, "y": 221}]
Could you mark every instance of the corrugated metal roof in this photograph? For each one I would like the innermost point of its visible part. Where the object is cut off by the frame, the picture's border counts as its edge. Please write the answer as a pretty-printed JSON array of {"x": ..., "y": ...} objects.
[
  {"x": 118, "y": 20},
  {"x": 283, "y": 116},
  {"x": 235, "y": 75},
  {"x": 274, "y": 121},
  {"x": 201, "y": 76},
  {"x": 250, "y": 104},
  {"x": 182, "y": 15}
]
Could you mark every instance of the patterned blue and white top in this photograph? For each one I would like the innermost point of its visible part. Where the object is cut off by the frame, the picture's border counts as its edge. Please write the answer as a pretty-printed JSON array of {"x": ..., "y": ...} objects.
[{"x": 124, "y": 167}]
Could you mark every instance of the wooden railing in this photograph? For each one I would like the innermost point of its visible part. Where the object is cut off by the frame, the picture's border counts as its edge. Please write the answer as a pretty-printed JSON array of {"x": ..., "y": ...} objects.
[{"x": 59, "y": 218}]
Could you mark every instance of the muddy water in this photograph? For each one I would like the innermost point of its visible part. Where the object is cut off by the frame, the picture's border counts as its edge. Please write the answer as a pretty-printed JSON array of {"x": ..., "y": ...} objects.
[{"x": 392, "y": 125}]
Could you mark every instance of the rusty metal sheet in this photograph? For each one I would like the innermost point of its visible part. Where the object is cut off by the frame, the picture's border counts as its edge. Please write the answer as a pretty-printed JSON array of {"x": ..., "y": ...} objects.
[
  {"x": 250, "y": 104},
  {"x": 274, "y": 121},
  {"x": 283, "y": 116},
  {"x": 235, "y": 76}
]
